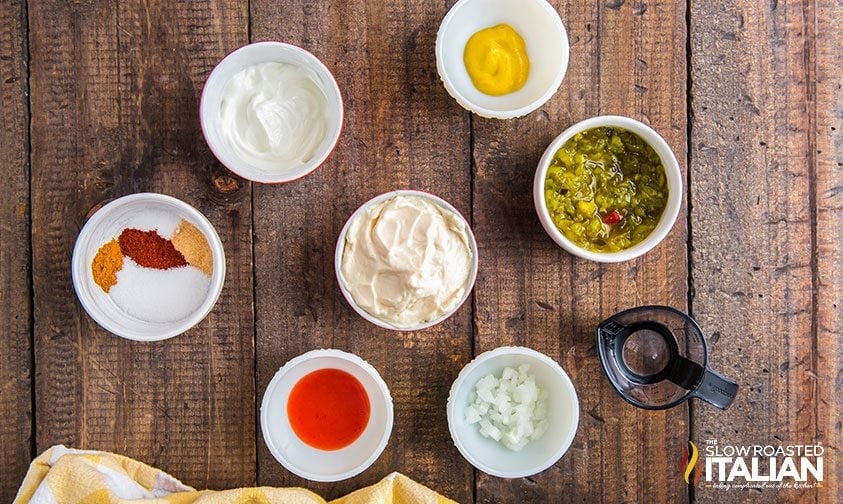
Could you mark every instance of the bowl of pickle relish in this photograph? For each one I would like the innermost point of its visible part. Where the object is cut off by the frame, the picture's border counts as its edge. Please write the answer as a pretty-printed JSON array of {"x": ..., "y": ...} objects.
[{"x": 608, "y": 189}]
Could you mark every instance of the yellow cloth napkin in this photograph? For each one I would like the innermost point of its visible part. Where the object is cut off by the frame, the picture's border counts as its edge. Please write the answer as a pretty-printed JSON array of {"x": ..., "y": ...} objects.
[{"x": 66, "y": 476}]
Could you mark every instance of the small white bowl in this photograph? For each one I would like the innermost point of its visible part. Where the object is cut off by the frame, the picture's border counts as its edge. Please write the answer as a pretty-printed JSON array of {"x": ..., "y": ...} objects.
[
  {"x": 338, "y": 253},
  {"x": 674, "y": 183},
  {"x": 539, "y": 25},
  {"x": 106, "y": 224},
  {"x": 494, "y": 458},
  {"x": 250, "y": 55},
  {"x": 304, "y": 460}
]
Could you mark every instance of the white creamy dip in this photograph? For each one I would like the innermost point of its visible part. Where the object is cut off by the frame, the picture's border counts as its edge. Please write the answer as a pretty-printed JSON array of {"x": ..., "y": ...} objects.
[
  {"x": 274, "y": 115},
  {"x": 407, "y": 260}
]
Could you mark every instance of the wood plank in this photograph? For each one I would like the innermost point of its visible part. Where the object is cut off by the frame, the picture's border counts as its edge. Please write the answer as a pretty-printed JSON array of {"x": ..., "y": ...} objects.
[
  {"x": 401, "y": 131},
  {"x": 828, "y": 274},
  {"x": 15, "y": 286},
  {"x": 629, "y": 59},
  {"x": 759, "y": 182},
  {"x": 115, "y": 93}
]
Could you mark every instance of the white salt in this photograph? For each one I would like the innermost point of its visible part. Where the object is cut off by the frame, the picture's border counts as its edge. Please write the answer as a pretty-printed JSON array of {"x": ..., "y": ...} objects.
[{"x": 161, "y": 296}]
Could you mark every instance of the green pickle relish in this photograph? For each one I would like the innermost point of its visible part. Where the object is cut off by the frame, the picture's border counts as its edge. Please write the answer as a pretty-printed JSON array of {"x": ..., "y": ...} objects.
[{"x": 606, "y": 189}]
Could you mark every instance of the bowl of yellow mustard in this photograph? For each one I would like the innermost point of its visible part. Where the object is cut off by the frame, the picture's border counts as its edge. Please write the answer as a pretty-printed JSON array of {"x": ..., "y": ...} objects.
[{"x": 502, "y": 58}]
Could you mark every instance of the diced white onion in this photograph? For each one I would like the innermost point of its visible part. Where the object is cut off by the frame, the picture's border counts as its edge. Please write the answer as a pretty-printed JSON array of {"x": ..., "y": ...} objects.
[{"x": 511, "y": 409}]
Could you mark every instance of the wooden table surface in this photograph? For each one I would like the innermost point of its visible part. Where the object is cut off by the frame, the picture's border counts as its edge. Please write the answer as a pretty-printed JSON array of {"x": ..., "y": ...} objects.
[{"x": 99, "y": 99}]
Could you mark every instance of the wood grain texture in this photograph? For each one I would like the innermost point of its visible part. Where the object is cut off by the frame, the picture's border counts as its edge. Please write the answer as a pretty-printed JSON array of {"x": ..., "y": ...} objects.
[
  {"x": 828, "y": 277},
  {"x": 629, "y": 59},
  {"x": 401, "y": 131},
  {"x": 766, "y": 257},
  {"x": 15, "y": 289},
  {"x": 115, "y": 93},
  {"x": 114, "y": 96}
]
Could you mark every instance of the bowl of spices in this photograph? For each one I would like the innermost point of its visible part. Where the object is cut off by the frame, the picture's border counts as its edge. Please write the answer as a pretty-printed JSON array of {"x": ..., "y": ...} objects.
[
  {"x": 502, "y": 58},
  {"x": 608, "y": 189},
  {"x": 512, "y": 412},
  {"x": 326, "y": 415},
  {"x": 271, "y": 112},
  {"x": 148, "y": 267},
  {"x": 406, "y": 260}
]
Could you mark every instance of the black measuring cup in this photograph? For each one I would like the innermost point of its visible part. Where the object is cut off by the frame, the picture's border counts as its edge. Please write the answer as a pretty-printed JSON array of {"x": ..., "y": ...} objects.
[{"x": 656, "y": 357}]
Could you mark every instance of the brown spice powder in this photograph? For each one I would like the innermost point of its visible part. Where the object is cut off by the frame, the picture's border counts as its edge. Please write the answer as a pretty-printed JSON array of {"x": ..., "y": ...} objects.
[
  {"x": 194, "y": 247},
  {"x": 106, "y": 264}
]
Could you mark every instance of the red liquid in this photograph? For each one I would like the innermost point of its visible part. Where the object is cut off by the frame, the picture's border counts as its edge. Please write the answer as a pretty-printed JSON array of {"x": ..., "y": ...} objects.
[{"x": 328, "y": 409}]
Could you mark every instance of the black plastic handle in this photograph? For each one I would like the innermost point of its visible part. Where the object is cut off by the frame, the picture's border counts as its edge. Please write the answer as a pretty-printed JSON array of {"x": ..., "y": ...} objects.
[{"x": 716, "y": 390}]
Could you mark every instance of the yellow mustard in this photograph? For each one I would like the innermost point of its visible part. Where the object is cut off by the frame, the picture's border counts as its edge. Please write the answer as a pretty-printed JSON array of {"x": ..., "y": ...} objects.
[{"x": 496, "y": 60}]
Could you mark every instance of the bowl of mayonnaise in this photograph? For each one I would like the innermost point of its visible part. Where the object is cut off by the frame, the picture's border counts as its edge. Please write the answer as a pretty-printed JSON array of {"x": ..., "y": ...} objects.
[
  {"x": 406, "y": 260},
  {"x": 271, "y": 112}
]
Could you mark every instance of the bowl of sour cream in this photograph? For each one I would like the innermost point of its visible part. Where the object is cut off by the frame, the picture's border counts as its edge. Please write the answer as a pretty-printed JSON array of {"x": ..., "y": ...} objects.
[
  {"x": 271, "y": 112},
  {"x": 406, "y": 260}
]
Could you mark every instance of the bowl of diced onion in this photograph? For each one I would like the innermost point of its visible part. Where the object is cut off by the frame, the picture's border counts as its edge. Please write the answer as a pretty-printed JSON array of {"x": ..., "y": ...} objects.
[{"x": 512, "y": 412}]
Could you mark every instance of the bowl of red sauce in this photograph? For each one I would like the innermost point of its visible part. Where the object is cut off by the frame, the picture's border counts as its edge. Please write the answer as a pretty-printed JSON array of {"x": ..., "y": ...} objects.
[{"x": 326, "y": 415}]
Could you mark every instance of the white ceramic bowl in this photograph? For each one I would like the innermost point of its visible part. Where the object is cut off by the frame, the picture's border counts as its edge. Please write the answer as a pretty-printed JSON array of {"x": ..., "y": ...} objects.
[
  {"x": 253, "y": 54},
  {"x": 304, "y": 460},
  {"x": 494, "y": 458},
  {"x": 338, "y": 253},
  {"x": 539, "y": 25},
  {"x": 674, "y": 183},
  {"x": 107, "y": 223}
]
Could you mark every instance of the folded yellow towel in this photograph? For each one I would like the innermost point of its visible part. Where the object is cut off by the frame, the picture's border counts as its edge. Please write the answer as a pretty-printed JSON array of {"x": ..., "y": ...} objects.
[{"x": 66, "y": 476}]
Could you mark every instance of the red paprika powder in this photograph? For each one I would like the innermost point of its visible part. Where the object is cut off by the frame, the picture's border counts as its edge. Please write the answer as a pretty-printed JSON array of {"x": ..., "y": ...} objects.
[{"x": 149, "y": 249}]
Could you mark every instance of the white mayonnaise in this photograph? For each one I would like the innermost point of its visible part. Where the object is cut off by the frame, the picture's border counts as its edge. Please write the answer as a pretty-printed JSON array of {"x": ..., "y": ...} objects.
[
  {"x": 407, "y": 260},
  {"x": 274, "y": 115}
]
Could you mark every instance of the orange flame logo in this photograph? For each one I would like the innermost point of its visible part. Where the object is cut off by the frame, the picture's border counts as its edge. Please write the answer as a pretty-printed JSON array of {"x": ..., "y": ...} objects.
[{"x": 691, "y": 466}]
